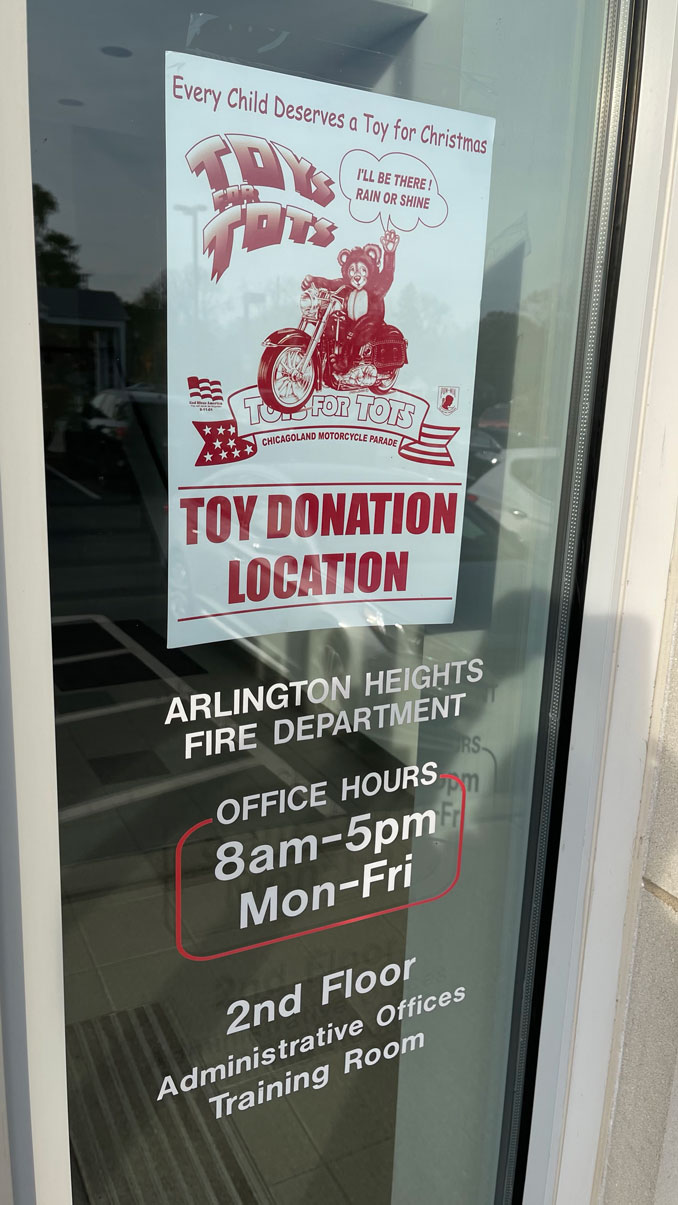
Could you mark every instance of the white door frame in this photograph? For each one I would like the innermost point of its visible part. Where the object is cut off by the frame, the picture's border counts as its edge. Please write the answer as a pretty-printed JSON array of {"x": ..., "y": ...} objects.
[
  {"x": 31, "y": 973},
  {"x": 598, "y": 870}
]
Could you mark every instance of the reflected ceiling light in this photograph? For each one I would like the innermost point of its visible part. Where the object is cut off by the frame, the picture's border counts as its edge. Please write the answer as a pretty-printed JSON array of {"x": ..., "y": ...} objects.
[
  {"x": 71, "y": 102},
  {"x": 117, "y": 52}
]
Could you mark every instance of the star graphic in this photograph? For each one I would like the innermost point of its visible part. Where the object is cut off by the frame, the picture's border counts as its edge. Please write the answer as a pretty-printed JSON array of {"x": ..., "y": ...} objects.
[
  {"x": 231, "y": 443},
  {"x": 217, "y": 443},
  {"x": 231, "y": 429},
  {"x": 236, "y": 453},
  {"x": 224, "y": 455},
  {"x": 220, "y": 430},
  {"x": 207, "y": 430},
  {"x": 208, "y": 455}
]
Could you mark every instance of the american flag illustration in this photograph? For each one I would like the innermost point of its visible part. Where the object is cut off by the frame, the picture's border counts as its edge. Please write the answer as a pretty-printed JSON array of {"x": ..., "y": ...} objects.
[
  {"x": 201, "y": 389},
  {"x": 432, "y": 447},
  {"x": 222, "y": 444}
]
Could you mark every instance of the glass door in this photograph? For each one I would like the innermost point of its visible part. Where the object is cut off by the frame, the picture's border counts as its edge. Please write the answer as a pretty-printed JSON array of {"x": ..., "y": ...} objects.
[{"x": 314, "y": 293}]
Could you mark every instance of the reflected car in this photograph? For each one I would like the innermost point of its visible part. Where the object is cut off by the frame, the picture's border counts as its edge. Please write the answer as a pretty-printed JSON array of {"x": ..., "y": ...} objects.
[
  {"x": 483, "y": 453},
  {"x": 97, "y": 440},
  {"x": 521, "y": 492},
  {"x": 498, "y": 418},
  {"x": 93, "y": 436},
  {"x": 495, "y": 421}
]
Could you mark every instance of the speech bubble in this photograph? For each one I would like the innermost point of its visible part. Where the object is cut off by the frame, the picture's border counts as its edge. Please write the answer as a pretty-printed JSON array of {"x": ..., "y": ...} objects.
[{"x": 398, "y": 188}]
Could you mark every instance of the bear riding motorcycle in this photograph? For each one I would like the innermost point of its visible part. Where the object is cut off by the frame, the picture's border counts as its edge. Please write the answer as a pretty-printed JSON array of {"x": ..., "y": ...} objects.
[{"x": 342, "y": 341}]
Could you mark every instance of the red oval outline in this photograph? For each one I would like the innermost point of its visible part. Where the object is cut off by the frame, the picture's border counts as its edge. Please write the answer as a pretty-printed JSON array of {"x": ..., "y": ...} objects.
[{"x": 304, "y": 932}]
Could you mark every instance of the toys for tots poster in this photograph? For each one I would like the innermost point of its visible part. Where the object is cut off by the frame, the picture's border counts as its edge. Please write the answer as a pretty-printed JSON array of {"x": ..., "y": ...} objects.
[{"x": 325, "y": 252}]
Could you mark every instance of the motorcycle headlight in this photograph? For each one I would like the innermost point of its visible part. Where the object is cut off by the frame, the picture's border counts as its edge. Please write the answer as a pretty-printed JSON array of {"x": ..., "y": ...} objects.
[{"x": 309, "y": 304}]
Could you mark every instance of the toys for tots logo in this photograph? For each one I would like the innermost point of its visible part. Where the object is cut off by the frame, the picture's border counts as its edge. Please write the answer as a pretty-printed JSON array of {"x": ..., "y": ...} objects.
[
  {"x": 397, "y": 421},
  {"x": 395, "y": 412}
]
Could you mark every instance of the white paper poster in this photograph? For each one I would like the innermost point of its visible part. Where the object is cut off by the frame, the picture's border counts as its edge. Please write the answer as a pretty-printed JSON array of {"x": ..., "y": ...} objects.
[{"x": 325, "y": 252}]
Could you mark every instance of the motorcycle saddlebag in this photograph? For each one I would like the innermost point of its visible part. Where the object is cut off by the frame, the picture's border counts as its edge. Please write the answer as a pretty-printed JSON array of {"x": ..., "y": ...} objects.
[{"x": 389, "y": 349}]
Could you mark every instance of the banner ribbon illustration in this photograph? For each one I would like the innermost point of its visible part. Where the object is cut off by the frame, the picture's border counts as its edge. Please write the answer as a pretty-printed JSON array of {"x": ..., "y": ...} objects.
[{"x": 399, "y": 418}]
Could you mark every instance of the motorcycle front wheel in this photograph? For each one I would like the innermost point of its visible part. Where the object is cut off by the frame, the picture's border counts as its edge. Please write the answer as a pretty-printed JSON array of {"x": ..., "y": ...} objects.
[{"x": 282, "y": 383}]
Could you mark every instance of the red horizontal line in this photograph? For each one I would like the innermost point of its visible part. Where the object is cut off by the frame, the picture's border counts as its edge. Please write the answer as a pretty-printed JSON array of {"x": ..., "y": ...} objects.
[
  {"x": 261, "y": 485},
  {"x": 345, "y": 602}
]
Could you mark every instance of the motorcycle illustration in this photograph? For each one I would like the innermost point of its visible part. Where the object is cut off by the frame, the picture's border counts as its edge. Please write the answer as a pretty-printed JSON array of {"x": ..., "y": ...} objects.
[{"x": 342, "y": 341}]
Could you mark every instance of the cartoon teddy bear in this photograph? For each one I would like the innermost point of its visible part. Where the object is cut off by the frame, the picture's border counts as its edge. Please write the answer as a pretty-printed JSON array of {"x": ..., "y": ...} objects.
[{"x": 367, "y": 283}]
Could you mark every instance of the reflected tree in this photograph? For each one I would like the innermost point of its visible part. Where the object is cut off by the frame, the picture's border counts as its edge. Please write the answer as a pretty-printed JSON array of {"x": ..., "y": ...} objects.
[
  {"x": 56, "y": 254},
  {"x": 147, "y": 335}
]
